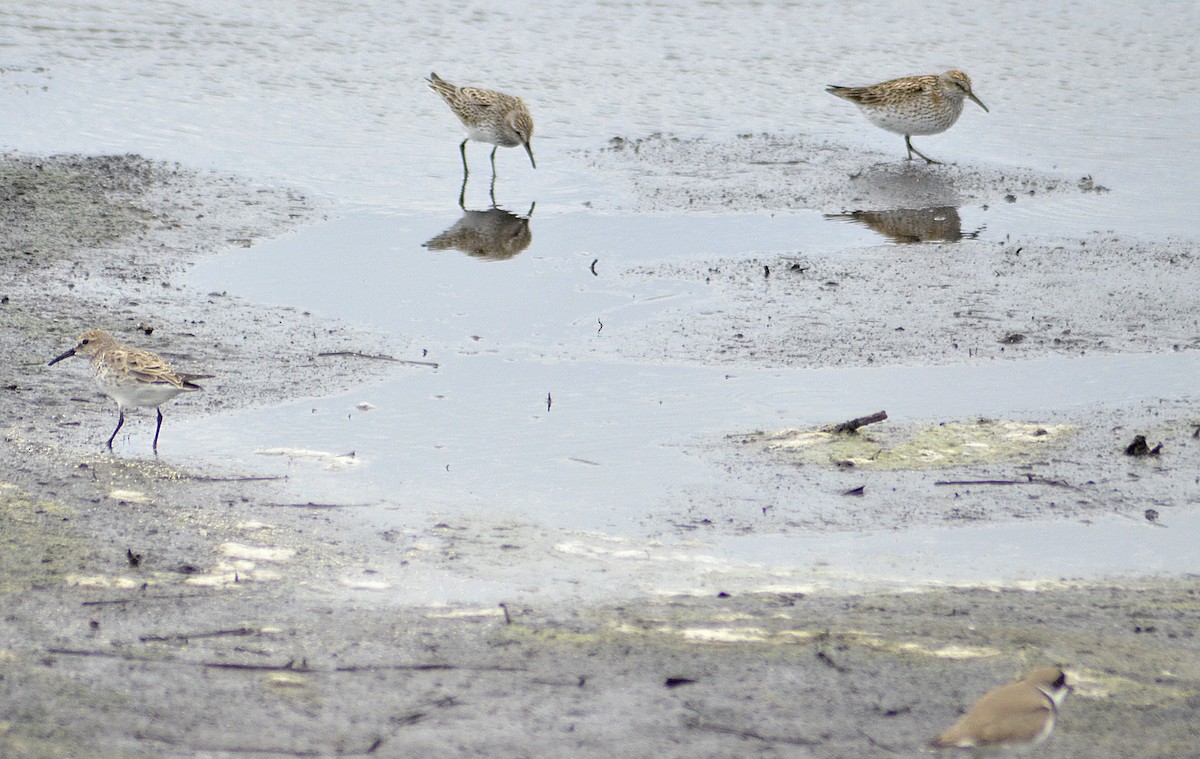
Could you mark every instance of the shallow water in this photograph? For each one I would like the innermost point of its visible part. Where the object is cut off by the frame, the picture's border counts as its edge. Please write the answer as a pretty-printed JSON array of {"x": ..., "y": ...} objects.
[
  {"x": 328, "y": 96},
  {"x": 473, "y": 439}
]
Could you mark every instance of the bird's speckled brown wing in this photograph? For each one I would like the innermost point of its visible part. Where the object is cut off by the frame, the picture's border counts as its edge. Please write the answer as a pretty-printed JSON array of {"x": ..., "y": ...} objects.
[
  {"x": 146, "y": 367},
  {"x": 478, "y": 97},
  {"x": 887, "y": 92}
]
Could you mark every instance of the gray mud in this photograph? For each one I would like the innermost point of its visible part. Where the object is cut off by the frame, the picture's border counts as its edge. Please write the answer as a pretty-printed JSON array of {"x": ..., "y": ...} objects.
[
  {"x": 763, "y": 172},
  {"x": 150, "y": 611},
  {"x": 1057, "y": 466},
  {"x": 952, "y": 300},
  {"x": 936, "y": 303},
  {"x": 102, "y": 242}
]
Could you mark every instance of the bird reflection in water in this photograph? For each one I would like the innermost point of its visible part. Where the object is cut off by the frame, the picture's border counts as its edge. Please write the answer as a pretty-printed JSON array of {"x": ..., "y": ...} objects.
[
  {"x": 494, "y": 234},
  {"x": 905, "y": 225}
]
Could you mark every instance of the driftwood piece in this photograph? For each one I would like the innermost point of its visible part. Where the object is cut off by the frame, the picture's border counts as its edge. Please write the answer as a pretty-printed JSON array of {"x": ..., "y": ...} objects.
[{"x": 852, "y": 425}]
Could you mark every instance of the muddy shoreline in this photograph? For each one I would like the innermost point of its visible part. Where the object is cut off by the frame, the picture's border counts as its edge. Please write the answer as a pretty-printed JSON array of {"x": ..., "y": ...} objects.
[{"x": 152, "y": 611}]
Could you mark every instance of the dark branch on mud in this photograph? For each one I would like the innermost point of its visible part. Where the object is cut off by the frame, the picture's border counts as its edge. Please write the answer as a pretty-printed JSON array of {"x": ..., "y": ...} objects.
[
  {"x": 199, "y": 635},
  {"x": 427, "y": 668},
  {"x": 1029, "y": 480},
  {"x": 852, "y": 425},
  {"x": 139, "y": 599},
  {"x": 290, "y": 666}
]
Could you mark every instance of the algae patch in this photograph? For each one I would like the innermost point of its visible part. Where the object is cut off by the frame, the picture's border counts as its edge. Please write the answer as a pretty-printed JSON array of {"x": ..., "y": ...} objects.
[
  {"x": 945, "y": 445},
  {"x": 37, "y": 542}
]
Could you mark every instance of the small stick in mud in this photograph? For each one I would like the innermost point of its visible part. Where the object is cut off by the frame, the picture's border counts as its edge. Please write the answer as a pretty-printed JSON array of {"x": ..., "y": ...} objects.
[
  {"x": 852, "y": 425},
  {"x": 256, "y": 478},
  {"x": 290, "y": 666},
  {"x": 376, "y": 357},
  {"x": 1029, "y": 480},
  {"x": 185, "y": 637}
]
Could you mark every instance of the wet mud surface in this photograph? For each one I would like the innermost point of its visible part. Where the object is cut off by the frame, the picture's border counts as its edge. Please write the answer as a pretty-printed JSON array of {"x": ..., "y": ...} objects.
[
  {"x": 758, "y": 172},
  {"x": 102, "y": 241},
  {"x": 897, "y": 475},
  {"x": 964, "y": 302},
  {"x": 153, "y": 611}
]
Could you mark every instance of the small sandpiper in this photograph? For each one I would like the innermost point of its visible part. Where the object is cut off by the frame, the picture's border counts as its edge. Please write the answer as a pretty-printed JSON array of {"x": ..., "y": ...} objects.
[
  {"x": 913, "y": 104},
  {"x": 131, "y": 376},
  {"x": 488, "y": 116},
  {"x": 1012, "y": 717}
]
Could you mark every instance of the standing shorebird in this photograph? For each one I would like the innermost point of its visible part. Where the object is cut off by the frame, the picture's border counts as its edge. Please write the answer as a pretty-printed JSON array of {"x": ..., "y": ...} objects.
[
  {"x": 131, "y": 376},
  {"x": 1012, "y": 717},
  {"x": 913, "y": 104},
  {"x": 488, "y": 116}
]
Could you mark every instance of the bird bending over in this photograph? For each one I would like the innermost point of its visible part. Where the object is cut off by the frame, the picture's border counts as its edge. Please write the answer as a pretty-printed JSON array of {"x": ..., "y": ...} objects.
[
  {"x": 911, "y": 105},
  {"x": 131, "y": 376},
  {"x": 487, "y": 116},
  {"x": 1018, "y": 715}
]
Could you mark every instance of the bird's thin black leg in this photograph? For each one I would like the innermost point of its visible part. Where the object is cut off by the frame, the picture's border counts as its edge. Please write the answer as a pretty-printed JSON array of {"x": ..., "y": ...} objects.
[
  {"x": 120, "y": 421},
  {"x": 911, "y": 150},
  {"x": 157, "y": 429}
]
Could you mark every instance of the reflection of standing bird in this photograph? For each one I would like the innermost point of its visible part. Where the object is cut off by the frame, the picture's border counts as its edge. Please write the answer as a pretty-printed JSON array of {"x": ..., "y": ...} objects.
[
  {"x": 1013, "y": 716},
  {"x": 488, "y": 116},
  {"x": 494, "y": 234},
  {"x": 912, "y": 104},
  {"x": 906, "y": 225},
  {"x": 131, "y": 376}
]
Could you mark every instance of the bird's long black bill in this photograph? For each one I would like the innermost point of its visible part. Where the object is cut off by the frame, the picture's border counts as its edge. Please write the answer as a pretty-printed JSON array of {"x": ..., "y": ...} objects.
[
  {"x": 68, "y": 354},
  {"x": 529, "y": 150}
]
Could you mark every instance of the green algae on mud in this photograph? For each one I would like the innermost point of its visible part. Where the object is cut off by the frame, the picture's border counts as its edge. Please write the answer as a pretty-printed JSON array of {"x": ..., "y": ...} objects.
[
  {"x": 948, "y": 444},
  {"x": 283, "y": 657},
  {"x": 37, "y": 541},
  {"x": 840, "y": 675}
]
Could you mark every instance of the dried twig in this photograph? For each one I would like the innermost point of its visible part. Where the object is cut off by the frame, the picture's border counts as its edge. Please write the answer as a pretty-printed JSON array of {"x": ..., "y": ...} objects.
[
  {"x": 196, "y": 636},
  {"x": 290, "y": 666},
  {"x": 1027, "y": 481},
  {"x": 376, "y": 357},
  {"x": 852, "y": 425},
  {"x": 139, "y": 599},
  {"x": 876, "y": 743},
  {"x": 263, "y": 478},
  {"x": 426, "y": 668}
]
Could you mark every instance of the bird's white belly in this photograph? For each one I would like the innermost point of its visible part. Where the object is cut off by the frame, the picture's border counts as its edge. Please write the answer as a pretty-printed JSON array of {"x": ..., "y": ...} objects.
[
  {"x": 912, "y": 121},
  {"x": 156, "y": 394}
]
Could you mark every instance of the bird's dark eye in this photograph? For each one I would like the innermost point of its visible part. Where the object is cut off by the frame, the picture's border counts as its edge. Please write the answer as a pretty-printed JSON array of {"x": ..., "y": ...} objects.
[
  {"x": 1061, "y": 681},
  {"x": 83, "y": 342}
]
